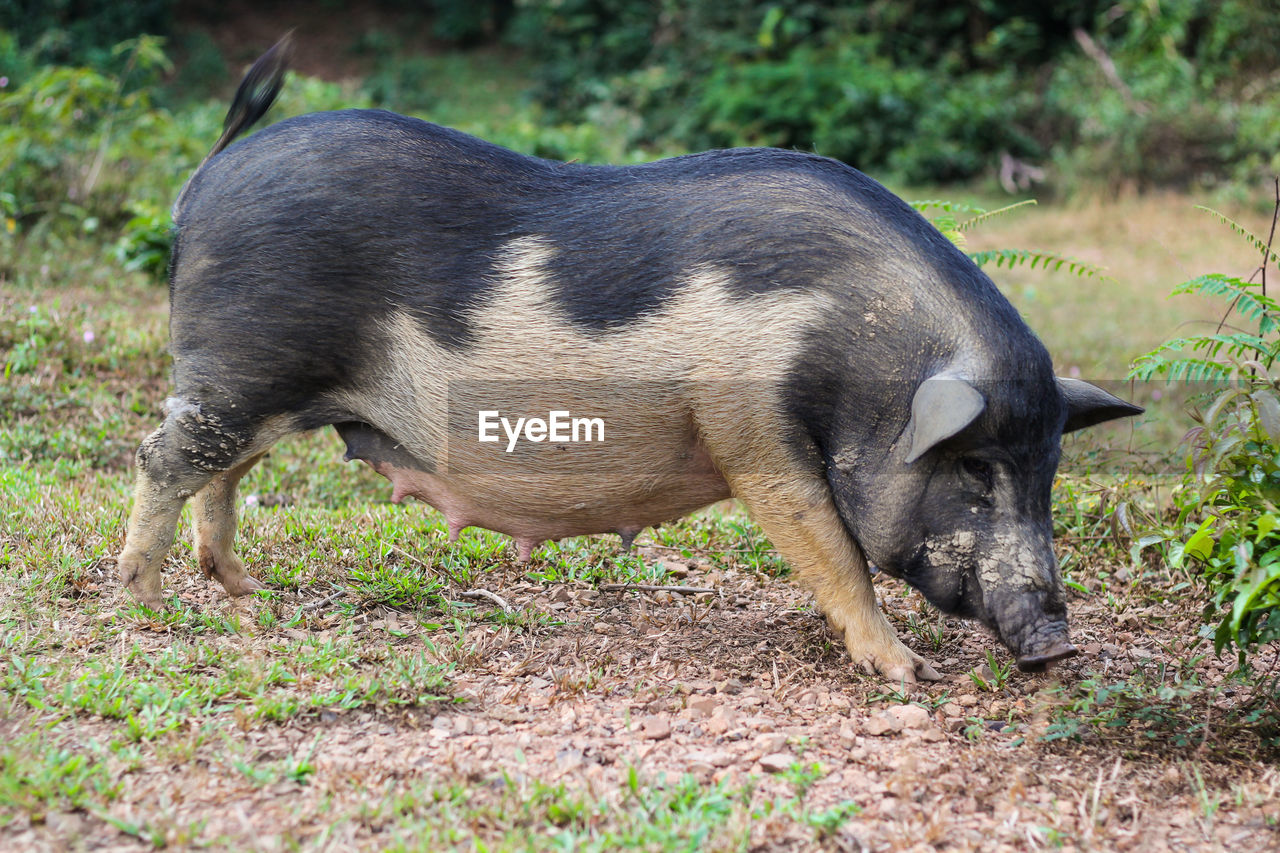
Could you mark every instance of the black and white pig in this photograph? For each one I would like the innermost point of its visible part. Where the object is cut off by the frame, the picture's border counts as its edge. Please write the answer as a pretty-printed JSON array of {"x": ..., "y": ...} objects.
[{"x": 763, "y": 324}]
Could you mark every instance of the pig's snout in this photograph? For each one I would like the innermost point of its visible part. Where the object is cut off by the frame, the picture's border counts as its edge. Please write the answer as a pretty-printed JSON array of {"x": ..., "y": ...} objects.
[
  {"x": 1039, "y": 661},
  {"x": 1040, "y": 644},
  {"x": 1037, "y": 635}
]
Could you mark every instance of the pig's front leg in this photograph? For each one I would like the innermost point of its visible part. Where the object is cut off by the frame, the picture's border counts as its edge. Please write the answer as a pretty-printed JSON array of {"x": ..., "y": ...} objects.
[{"x": 800, "y": 518}]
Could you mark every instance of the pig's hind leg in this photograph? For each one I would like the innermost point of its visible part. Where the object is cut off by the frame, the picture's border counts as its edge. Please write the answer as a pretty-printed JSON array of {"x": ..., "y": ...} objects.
[
  {"x": 797, "y": 513},
  {"x": 194, "y": 445},
  {"x": 214, "y": 509}
]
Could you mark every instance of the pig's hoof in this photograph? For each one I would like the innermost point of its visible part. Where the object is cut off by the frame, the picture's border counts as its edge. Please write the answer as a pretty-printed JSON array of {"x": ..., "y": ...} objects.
[
  {"x": 243, "y": 585},
  {"x": 906, "y": 667},
  {"x": 228, "y": 570},
  {"x": 910, "y": 673},
  {"x": 151, "y": 602},
  {"x": 133, "y": 574}
]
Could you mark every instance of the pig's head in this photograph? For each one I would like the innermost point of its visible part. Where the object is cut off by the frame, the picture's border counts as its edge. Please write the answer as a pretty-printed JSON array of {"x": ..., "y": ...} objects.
[{"x": 957, "y": 501}]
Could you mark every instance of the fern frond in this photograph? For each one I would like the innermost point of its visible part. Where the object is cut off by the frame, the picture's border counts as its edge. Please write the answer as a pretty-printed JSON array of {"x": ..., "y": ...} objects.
[
  {"x": 946, "y": 206},
  {"x": 1226, "y": 351},
  {"x": 984, "y": 215},
  {"x": 1151, "y": 365},
  {"x": 1238, "y": 346},
  {"x": 1049, "y": 260},
  {"x": 1242, "y": 231},
  {"x": 1248, "y": 298}
]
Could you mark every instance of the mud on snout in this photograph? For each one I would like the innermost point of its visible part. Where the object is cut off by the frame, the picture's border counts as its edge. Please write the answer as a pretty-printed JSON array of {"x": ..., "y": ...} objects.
[{"x": 1033, "y": 624}]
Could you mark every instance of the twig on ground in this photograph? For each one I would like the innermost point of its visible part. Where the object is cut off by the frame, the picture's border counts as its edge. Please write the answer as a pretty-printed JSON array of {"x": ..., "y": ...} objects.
[
  {"x": 423, "y": 563},
  {"x": 316, "y": 605},
  {"x": 650, "y": 587},
  {"x": 488, "y": 596}
]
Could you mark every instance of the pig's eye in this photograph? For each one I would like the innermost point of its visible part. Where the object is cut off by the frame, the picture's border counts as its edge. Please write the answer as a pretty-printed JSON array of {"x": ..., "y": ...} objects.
[{"x": 980, "y": 470}]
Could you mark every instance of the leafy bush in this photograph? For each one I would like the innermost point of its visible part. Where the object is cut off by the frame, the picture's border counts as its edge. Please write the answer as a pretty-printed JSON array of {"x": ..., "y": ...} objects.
[
  {"x": 78, "y": 141},
  {"x": 146, "y": 242},
  {"x": 1129, "y": 93},
  {"x": 1225, "y": 531},
  {"x": 82, "y": 32}
]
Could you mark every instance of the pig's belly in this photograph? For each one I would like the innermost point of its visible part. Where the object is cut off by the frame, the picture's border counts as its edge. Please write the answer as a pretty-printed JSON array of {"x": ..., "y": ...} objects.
[{"x": 550, "y": 491}]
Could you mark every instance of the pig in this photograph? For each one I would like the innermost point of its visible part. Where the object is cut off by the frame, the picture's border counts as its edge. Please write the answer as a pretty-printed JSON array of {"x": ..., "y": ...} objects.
[{"x": 767, "y": 325}]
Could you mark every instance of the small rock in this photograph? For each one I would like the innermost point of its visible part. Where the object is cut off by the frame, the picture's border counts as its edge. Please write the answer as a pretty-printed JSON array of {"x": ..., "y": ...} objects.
[
  {"x": 717, "y": 725},
  {"x": 561, "y": 594},
  {"x": 656, "y": 728},
  {"x": 984, "y": 672},
  {"x": 569, "y": 758},
  {"x": 506, "y": 714},
  {"x": 773, "y": 742},
  {"x": 676, "y": 570},
  {"x": 713, "y": 759},
  {"x": 882, "y": 724},
  {"x": 807, "y": 699},
  {"x": 776, "y": 762},
  {"x": 732, "y": 686},
  {"x": 911, "y": 717},
  {"x": 721, "y": 758}
]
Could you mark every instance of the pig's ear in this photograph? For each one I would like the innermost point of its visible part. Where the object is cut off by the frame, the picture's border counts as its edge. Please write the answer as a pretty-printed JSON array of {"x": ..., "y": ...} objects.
[
  {"x": 944, "y": 404},
  {"x": 1088, "y": 405}
]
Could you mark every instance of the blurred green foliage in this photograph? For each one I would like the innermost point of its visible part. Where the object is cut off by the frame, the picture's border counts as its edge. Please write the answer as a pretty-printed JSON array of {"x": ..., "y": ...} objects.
[
  {"x": 78, "y": 142},
  {"x": 1133, "y": 92},
  {"x": 97, "y": 130},
  {"x": 81, "y": 32}
]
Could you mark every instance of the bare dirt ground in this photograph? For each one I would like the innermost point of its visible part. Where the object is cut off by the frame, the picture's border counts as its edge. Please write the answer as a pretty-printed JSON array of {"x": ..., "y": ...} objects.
[{"x": 731, "y": 687}]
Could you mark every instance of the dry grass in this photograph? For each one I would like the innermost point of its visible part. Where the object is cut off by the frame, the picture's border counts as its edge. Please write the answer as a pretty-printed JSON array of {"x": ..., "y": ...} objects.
[{"x": 1145, "y": 245}]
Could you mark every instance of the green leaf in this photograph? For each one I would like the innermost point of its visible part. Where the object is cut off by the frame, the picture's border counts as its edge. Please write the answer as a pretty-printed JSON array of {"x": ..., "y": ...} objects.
[
  {"x": 1247, "y": 593},
  {"x": 1200, "y": 545},
  {"x": 984, "y": 215}
]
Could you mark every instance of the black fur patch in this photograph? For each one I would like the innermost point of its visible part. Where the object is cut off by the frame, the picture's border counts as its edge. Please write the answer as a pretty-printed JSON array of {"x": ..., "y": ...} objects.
[
  {"x": 628, "y": 238},
  {"x": 371, "y": 445}
]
